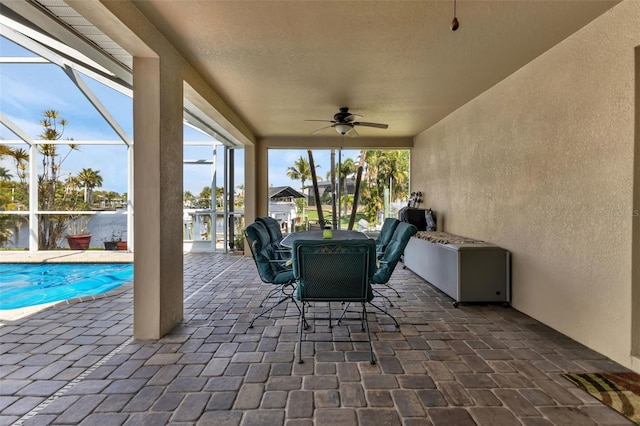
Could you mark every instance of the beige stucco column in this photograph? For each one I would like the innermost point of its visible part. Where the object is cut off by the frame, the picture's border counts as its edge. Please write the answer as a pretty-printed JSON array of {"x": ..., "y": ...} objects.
[
  {"x": 158, "y": 269},
  {"x": 250, "y": 179},
  {"x": 262, "y": 178}
]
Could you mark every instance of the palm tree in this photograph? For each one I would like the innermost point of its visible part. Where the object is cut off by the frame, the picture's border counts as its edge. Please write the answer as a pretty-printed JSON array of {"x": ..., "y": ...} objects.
[
  {"x": 90, "y": 179},
  {"x": 4, "y": 174},
  {"x": 21, "y": 157},
  {"x": 301, "y": 171}
]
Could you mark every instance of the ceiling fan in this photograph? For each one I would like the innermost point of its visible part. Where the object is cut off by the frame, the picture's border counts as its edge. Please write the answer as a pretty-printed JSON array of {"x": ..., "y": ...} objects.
[{"x": 344, "y": 122}]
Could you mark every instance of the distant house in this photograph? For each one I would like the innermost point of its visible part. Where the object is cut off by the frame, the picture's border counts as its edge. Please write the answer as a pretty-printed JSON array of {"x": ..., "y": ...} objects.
[
  {"x": 324, "y": 189},
  {"x": 282, "y": 206},
  {"x": 284, "y": 193}
]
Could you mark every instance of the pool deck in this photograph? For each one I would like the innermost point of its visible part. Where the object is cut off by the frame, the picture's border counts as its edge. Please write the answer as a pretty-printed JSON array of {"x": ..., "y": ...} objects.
[
  {"x": 486, "y": 365},
  {"x": 66, "y": 256}
]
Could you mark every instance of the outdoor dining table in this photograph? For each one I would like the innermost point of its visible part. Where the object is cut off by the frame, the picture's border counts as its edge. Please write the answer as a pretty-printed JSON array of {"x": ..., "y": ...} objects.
[{"x": 337, "y": 234}]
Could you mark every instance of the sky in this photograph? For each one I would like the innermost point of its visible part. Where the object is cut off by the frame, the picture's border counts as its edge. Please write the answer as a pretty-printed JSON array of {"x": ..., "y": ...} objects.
[{"x": 27, "y": 90}]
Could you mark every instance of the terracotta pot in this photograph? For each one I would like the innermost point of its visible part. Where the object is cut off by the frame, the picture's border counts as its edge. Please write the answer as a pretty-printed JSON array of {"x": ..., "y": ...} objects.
[
  {"x": 79, "y": 242},
  {"x": 121, "y": 245}
]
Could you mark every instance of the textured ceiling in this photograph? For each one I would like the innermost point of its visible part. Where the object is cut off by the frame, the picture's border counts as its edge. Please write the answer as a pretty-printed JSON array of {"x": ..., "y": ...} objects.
[{"x": 277, "y": 63}]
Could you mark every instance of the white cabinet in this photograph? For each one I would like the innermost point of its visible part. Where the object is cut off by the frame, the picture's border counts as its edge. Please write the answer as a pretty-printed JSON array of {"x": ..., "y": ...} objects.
[{"x": 469, "y": 272}]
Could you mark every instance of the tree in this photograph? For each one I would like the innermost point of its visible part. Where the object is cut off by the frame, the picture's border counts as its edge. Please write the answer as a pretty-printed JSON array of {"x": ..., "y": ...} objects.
[
  {"x": 112, "y": 195},
  {"x": 239, "y": 199},
  {"x": 384, "y": 169},
  {"x": 301, "y": 171},
  {"x": 7, "y": 222},
  {"x": 205, "y": 197},
  {"x": 21, "y": 157},
  {"x": 347, "y": 168},
  {"x": 89, "y": 179},
  {"x": 5, "y": 175},
  {"x": 188, "y": 199},
  {"x": 219, "y": 196},
  {"x": 53, "y": 194}
]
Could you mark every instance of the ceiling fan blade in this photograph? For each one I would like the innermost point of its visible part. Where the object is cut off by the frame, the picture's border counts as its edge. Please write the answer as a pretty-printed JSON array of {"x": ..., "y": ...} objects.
[
  {"x": 353, "y": 133},
  {"x": 322, "y": 128},
  {"x": 352, "y": 117},
  {"x": 324, "y": 121},
  {"x": 364, "y": 123}
]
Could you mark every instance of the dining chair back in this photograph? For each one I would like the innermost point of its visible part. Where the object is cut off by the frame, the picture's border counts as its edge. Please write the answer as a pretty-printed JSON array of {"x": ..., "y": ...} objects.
[
  {"x": 273, "y": 227},
  {"x": 334, "y": 271},
  {"x": 388, "y": 228},
  {"x": 393, "y": 252},
  {"x": 271, "y": 268},
  {"x": 389, "y": 259}
]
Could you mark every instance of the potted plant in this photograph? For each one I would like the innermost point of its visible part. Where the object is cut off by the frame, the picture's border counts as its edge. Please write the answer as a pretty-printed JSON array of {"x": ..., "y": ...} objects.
[
  {"x": 77, "y": 236},
  {"x": 112, "y": 242},
  {"x": 238, "y": 243},
  {"x": 116, "y": 241}
]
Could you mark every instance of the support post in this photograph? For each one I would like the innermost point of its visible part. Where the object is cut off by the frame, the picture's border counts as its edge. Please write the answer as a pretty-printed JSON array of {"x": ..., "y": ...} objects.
[{"x": 157, "y": 122}]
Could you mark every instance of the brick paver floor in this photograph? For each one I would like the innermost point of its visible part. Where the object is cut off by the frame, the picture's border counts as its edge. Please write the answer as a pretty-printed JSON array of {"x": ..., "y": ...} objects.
[{"x": 485, "y": 365}]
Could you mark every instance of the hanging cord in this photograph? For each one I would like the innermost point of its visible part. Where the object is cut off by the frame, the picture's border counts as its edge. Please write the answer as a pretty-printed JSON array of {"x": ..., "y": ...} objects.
[{"x": 454, "y": 24}]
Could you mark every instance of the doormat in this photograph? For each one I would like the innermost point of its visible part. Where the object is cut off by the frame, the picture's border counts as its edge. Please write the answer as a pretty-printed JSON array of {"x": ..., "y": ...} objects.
[{"x": 620, "y": 391}]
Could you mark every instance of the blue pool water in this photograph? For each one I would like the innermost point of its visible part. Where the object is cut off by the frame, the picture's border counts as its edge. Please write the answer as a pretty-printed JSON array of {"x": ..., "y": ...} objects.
[{"x": 28, "y": 284}]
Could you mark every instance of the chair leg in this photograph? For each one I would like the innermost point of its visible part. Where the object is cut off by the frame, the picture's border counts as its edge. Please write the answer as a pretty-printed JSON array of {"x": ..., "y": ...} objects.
[
  {"x": 391, "y": 288},
  {"x": 385, "y": 312},
  {"x": 384, "y": 296},
  {"x": 268, "y": 296},
  {"x": 366, "y": 324},
  {"x": 287, "y": 294},
  {"x": 301, "y": 324},
  {"x": 344, "y": 311}
]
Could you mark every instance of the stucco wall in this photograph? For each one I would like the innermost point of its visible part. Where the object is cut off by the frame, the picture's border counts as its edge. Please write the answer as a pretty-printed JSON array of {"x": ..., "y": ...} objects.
[{"x": 542, "y": 164}]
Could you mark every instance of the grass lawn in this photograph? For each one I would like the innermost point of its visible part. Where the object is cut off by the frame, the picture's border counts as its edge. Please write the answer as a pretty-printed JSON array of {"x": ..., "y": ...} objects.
[{"x": 312, "y": 215}]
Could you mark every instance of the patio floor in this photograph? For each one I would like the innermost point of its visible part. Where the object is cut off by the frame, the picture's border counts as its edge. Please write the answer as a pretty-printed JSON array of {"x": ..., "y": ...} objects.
[{"x": 487, "y": 365}]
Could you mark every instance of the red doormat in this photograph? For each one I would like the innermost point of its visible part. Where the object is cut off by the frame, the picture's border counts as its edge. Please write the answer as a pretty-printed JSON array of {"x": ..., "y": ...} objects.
[{"x": 620, "y": 391}]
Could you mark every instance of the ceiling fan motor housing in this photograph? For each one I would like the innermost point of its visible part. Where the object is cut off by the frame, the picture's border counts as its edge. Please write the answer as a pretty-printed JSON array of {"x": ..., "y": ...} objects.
[{"x": 343, "y": 116}]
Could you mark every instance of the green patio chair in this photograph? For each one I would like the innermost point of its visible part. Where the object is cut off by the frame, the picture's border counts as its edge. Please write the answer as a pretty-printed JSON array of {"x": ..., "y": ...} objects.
[
  {"x": 392, "y": 254},
  {"x": 273, "y": 227},
  {"x": 388, "y": 228},
  {"x": 271, "y": 268},
  {"x": 275, "y": 234},
  {"x": 382, "y": 241},
  {"x": 334, "y": 271}
]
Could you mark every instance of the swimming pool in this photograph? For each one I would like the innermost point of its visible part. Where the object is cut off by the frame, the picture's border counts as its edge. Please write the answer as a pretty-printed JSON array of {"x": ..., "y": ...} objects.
[{"x": 30, "y": 284}]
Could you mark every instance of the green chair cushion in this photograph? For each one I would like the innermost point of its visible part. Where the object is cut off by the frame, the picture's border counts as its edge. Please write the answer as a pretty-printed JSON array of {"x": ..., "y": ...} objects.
[
  {"x": 270, "y": 268},
  {"x": 393, "y": 252},
  {"x": 388, "y": 228}
]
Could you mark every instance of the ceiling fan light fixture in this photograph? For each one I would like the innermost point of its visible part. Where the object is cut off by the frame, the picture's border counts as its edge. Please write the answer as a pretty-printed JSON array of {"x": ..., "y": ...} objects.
[{"x": 343, "y": 129}]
